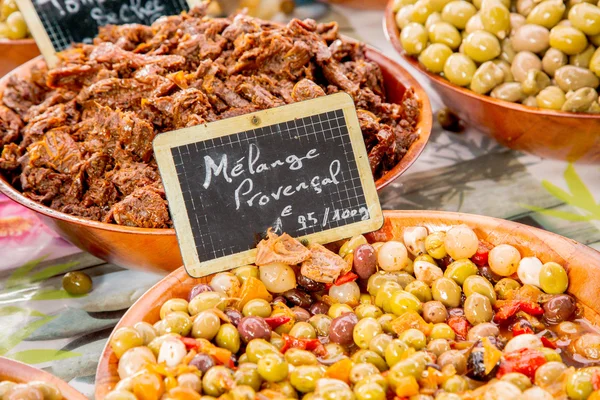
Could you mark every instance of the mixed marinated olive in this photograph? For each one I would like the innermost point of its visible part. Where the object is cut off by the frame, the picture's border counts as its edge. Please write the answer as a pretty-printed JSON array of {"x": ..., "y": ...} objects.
[
  {"x": 35, "y": 390},
  {"x": 12, "y": 23},
  {"x": 437, "y": 315},
  {"x": 541, "y": 53}
]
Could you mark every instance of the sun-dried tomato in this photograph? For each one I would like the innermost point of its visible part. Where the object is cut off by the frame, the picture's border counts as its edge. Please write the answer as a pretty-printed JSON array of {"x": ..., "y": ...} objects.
[
  {"x": 549, "y": 343},
  {"x": 481, "y": 255},
  {"x": 521, "y": 327},
  {"x": 346, "y": 278},
  {"x": 460, "y": 326},
  {"x": 314, "y": 345},
  {"x": 525, "y": 361},
  {"x": 510, "y": 309},
  {"x": 277, "y": 321}
]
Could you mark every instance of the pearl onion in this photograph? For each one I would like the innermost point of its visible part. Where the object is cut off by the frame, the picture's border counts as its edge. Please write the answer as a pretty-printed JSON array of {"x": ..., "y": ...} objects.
[
  {"x": 134, "y": 359},
  {"x": 171, "y": 352},
  {"x": 427, "y": 272},
  {"x": 190, "y": 380},
  {"x": 461, "y": 242},
  {"x": 392, "y": 256},
  {"x": 524, "y": 341},
  {"x": 504, "y": 259},
  {"x": 348, "y": 293},
  {"x": 501, "y": 390},
  {"x": 225, "y": 282},
  {"x": 414, "y": 239},
  {"x": 536, "y": 393},
  {"x": 529, "y": 271},
  {"x": 277, "y": 277}
]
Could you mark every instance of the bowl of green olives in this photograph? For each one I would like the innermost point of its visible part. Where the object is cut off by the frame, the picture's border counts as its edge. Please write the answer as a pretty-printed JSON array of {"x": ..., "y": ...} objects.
[
  {"x": 20, "y": 381},
  {"x": 16, "y": 44},
  {"x": 434, "y": 305},
  {"x": 525, "y": 72}
]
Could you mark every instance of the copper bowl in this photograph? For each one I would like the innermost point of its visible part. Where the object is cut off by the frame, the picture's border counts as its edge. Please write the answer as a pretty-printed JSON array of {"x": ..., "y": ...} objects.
[
  {"x": 22, "y": 373},
  {"x": 545, "y": 133},
  {"x": 157, "y": 249},
  {"x": 581, "y": 262},
  {"x": 16, "y": 52}
]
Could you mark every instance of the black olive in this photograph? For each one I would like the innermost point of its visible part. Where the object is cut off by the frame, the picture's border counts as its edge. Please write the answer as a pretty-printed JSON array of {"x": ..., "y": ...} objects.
[
  {"x": 476, "y": 367},
  {"x": 298, "y": 298},
  {"x": 559, "y": 308},
  {"x": 488, "y": 274},
  {"x": 308, "y": 284}
]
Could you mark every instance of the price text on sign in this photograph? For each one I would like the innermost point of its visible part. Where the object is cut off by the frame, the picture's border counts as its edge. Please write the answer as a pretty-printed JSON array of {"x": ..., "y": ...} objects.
[
  {"x": 56, "y": 24},
  {"x": 301, "y": 169}
]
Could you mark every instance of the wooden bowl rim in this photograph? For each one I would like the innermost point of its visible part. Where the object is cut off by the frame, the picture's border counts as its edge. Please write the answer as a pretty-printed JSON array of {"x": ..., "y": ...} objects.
[
  {"x": 392, "y": 33},
  {"x": 443, "y": 219},
  {"x": 22, "y": 373},
  {"x": 424, "y": 127}
]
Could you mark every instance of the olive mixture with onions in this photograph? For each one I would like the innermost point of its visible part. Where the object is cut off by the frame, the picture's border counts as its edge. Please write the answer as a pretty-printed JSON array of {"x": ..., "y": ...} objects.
[
  {"x": 538, "y": 53},
  {"x": 35, "y": 390},
  {"x": 441, "y": 315},
  {"x": 12, "y": 23}
]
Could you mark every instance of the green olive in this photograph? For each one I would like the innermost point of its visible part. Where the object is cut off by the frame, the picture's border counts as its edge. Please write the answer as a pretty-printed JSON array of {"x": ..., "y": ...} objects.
[
  {"x": 382, "y": 300},
  {"x": 206, "y": 325},
  {"x": 434, "y": 242},
  {"x": 568, "y": 39},
  {"x": 422, "y": 9},
  {"x": 478, "y": 284},
  {"x": 173, "y": 305},
  {"x": 523, "y": 62},
  {"x": 368, "y": 356},
  {"x": 553, "y": 278},
  {"x": 404, "y": 16},
  {"x": 586, "y": 18},
  {"x": 414, "y": 38},
  {"x": 551, "y": 97},
  {"x": 536, "y": 81},
  {"x": 583, "y": 59},
  {"x": 516, "y": 22},
  {"x": 455, "y": 384},
  {"x": 549, "y": 373},
  {"x": 396, "y": 351},
  {"x": 445, "y": 33},
  {"x": 338, "y": 309},
  {"x": 206, "y": 301},
  {"x": 303, "y": 330},
  {"x": 124, "y": 339},
  {"x": 478, "y": 309},
  {"x": 580, "y": 100},
  {"x": 434, "y": 57},
  {"x": 399, "y": 4},
  {"x": 7, "y": 7},
  {"x": 579, "y": 385},
  {"x": 458, "y": 13},
  {"x": 18, "y": 30},
  {"x": 4, "y": 30},
  {"x": 258, "y": 348},
  {"x": 321, "y": 323},
  {"x": 365, "y": 330},
  {"x": 487, "y": 77},
  {"x": 505, "y": 67},
  {"x": 217, "y": 381},
  {"x": 76, "y": 282},
  {"x": 438, "y": 346},
  {"x": 146, "y": 331},
  {"x": 420, "y": 290},
  {"x": 369, "y": 391},
  {"x": 386, "y": 322},
  {"x": 509, "y": 91},
  {"x": 257, "y": 307},
  {"x": 228, "y": 338},
  {"x": 442, "y": 331},
  {"x": 438, "y": 5},
  {"x": 553, "y": 60},
  {"x": 368, "y": 310},
  {"x": 550, "y": 355},
  {"x": 297, "y": 357},
  {"x": 379, "y": 343},
  {"x": 460, "y": 270},
  {"x": 547, "y": 13},
  {"x": 530, "y": 37},
  {"x": 361, "y": 371},
  {"x": 245, "y": 272},
  {"x": 508, "y": 53},
  {"x": 273, "y": 367},
  {"x": 412, "y": 366},
  {"x": 178, "y": 322},
  {"x": 402, "y": 301},
  {"x": 505, "y": 286},
  {"x": 473, "y": 24},
  {"x": 431, "y": 20},
  {"x": 482, "y": 46},
  {"x": 447, "y": 292},
  {"x": 459, "y": 69},
  {"x": 495, "y": 17},
  {"x": 519, "y": 380},
  {"x": 414, "y": 338},
  {"x": 570, "y": 78}
]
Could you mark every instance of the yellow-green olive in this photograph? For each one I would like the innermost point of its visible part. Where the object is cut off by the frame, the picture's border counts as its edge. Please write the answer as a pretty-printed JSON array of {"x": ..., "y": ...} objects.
[
  {"x": 505, "y": 67},
  {"x": 595, "y": 62},
  {"x": 535, "y": 81},
  {"x": 553, "y": 60},
  {"x": 432, "y": 19},
  {"x": 413, "y": 38},
  {"x": 571, "y": 77},
  {"x": 583, "y": 59},
  {"x": 547, "y": 13},
  {"x": 403, "y": 17},
  {"x": 459, "y": 69},
  {"x": 508, "y": 53},
  {"x": 482, "y": 46},
  {"x": 473, "y": 24},
  {"x": 445, "y": 33},
  {"x": 495, "y": 17},
  {"x": 516, "y": 21},
  {"x": 509, "y": 91},
  {"x": 399, "y": 4},
  {"x": 458, "y": 13},
  {"x": 580, "y": 100},
  {"x": 568, "y": 39},
  {"x": 422, "y": 9},
  {"x": 586, "y": 18},
  {"x": 434, "y": 57},
  {"x": 478, "y": 309},
  {"x": 551, "y": 97}
]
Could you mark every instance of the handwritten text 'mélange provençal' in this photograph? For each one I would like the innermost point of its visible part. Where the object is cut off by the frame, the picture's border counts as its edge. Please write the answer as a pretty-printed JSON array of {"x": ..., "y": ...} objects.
[{"x": 246, "y": 193}]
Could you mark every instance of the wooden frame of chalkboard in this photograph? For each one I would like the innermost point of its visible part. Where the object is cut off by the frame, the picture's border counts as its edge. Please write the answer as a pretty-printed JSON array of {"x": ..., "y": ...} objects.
[
  {"x": 130, "y": 11},
  {"x": 237, "y": 132}
]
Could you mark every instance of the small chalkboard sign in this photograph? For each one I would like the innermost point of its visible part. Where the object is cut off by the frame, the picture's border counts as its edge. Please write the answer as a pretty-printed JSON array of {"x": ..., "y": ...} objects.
[
  {"x": 302, "y": 169},
  {"x": 56, "y": 24}
]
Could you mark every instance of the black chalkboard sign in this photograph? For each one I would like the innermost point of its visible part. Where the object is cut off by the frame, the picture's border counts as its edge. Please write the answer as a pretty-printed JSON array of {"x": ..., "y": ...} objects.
[
  {"x": 56, "y": 24},
  {"x": 301, "y": 169}
]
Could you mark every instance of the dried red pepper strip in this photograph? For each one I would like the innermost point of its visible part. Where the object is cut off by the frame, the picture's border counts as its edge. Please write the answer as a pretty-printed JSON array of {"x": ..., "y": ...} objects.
[
  {"x": 549, "y": 343},
  {"x": 190, "y": 343},
  {"x": 507, "y": 311},
  {"x": 481, "y": 256},
  {"x": 314, "y": 345},
  {"x": 222, "y": 356},
  {"x": 525, "y": 361},
  {"x": 346, "y": 278},
  {"x": 519, "y": 328},
  {"x": 460, "y": 326},
  {"x": 277, "y": 321},
  {"x": 531, "y": 308}
]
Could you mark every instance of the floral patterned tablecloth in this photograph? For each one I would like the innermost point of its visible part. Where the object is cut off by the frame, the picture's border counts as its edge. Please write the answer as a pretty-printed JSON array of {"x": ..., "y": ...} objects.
[{"x": 42, "y": 325}]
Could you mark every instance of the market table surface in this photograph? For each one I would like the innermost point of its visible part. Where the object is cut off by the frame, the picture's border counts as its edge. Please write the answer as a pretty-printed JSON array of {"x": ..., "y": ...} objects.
[{"x": 467, "y": 172}]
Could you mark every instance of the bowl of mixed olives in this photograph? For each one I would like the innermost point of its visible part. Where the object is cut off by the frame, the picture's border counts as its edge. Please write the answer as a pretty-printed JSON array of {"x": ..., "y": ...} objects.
[
  {"x": 526, "y": 72},
  {"x": 16, "y": 44},
  {"x": 19, "y": 381},
  {"x": 433, "y": 306}
]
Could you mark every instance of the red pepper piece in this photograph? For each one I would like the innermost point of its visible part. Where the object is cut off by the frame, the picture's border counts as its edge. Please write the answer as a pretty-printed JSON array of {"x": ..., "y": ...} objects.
[
  {"x": 190, "y": 343},
  {"x": 481, "y": 255},
  {"x": 549, "y": 343},
  {"x": 314, "y": 345},
  {"x": 520, "y": 328},
  {"x": 346, "y": 278},
  {"x": 505, "y": 312},
  {"x": 525, "y": 361},
  {"x": 531, "y": 308},
  {"x": 277, "y": 321},
  {"x": 460, "y": 326}
]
